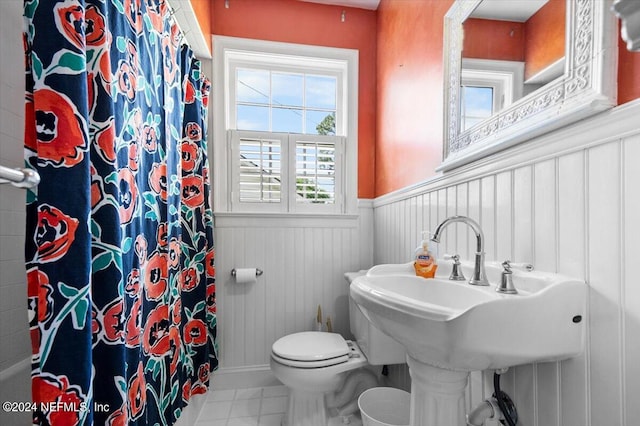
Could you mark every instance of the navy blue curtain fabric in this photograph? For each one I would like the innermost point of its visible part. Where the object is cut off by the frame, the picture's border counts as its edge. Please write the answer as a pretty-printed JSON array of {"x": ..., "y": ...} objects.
[{"x": 119, "y": 253}]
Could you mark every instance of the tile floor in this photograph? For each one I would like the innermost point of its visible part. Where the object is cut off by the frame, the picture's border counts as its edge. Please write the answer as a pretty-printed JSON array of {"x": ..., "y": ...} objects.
[{"x": 245, "y": 407}]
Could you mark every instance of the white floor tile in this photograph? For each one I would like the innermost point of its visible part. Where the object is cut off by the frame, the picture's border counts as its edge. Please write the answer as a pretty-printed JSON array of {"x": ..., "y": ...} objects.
[
  {"x": 219, "y": 422},
  {"x": 245, "y": 408},
  {"x": 243, "y": 421},
  {"x": 221, "y": 395},
  {"x": 249, "y": 393},
  {"x": 274, "y": 405},
  {"x": 270, "y": 420},
  {"x": 270, "y": 391},
  {"x": 215, "y": 410}
]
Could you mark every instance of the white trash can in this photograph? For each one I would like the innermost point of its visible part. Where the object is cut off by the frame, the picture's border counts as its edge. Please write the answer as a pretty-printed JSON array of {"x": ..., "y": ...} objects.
[{"x": 385, "y": 407}]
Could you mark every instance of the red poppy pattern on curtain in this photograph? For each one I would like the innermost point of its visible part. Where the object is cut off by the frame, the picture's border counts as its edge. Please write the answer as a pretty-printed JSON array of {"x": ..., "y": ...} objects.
[{"x": 119, "y": 253}]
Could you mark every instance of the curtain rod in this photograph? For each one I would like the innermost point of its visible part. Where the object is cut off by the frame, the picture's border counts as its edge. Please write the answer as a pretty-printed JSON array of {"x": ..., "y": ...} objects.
[
  {"x": 22, "y": 178},
  {"x": 185, "y": 18}
]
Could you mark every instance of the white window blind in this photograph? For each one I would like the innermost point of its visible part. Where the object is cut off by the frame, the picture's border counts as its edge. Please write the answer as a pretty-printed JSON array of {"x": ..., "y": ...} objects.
[
  {"x": 286, "y": 172},
  {"x": 259, "y": 168},
  {"x": 315, "y": 172}
]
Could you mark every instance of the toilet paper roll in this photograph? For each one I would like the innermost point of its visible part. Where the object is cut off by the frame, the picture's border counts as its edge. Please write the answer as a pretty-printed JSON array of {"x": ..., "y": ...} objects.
[{"x": 245, "y": 275}]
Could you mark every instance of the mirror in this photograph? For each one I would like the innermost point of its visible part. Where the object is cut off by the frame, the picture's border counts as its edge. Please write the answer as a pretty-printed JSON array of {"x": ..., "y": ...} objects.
[
  {"x": 509, "y": 49},
  {"x": 519, "y": 99}
]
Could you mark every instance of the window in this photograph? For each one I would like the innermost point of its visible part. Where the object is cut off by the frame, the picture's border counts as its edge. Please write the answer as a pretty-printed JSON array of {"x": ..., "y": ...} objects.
[
  {"x": 279, "y": 101},
  {"x": 289, "y": 137},
  {"x": 476, "y": 104},
  {"x": 487, "y": 87},
  {"x": 276, "y": 172}
]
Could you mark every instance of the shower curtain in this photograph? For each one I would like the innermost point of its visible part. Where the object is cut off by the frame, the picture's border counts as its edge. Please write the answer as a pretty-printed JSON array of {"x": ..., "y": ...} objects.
[{"x": 119, "y": 252}]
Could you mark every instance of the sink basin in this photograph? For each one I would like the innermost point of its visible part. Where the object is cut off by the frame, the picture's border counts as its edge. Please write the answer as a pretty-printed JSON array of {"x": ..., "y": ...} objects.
[{"x": 457, "y": 326}]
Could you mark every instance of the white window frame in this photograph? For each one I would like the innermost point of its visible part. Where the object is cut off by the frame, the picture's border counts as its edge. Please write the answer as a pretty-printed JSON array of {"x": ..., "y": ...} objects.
[{"x": 231, "y": 52}]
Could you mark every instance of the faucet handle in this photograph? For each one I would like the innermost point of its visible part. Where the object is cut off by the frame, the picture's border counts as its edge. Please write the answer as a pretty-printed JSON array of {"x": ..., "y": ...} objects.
[
  {"x": 456, "y": 271},
  {"x": 522, "y": 266},
  {"x": 506, "y": 281},
  {"x": 454, "y": 257}
]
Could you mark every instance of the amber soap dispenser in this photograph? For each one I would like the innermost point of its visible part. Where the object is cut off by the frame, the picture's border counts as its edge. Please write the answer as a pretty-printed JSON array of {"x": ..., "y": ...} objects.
[{"x": 425, "y": 264}]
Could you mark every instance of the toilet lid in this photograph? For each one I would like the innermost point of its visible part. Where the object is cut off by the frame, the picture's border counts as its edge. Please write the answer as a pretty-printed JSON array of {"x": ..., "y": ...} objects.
[{"x": 312, "y": 346}]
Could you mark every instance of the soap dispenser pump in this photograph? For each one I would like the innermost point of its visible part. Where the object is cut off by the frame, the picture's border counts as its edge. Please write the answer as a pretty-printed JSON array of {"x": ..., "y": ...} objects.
[{"x": 425, "y": 263}]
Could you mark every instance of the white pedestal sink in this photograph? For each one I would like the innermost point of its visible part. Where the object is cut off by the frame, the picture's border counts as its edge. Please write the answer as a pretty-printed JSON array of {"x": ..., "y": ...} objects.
[{"x": 450, "y": 328}]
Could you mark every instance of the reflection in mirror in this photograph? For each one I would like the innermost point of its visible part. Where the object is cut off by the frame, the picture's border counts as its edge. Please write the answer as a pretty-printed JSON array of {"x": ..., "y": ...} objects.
[
  {"x": 486, "y": 87},
  {"x": 510, "y": 49},
  {"x": 477, "y": 102},
  {"x": 583, "y": 86}
]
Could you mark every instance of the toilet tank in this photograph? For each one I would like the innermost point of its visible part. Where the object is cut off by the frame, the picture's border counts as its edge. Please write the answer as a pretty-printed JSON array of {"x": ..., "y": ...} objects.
[{"x": 379, "y": 348}]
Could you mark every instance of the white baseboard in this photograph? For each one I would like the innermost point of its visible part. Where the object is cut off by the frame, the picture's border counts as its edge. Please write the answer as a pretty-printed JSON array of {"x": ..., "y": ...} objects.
[{"x": 243, "y": 377}]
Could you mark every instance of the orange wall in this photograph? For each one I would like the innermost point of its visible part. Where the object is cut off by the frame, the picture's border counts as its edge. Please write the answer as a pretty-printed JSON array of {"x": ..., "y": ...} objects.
[
  {"x": 202, "y": 9},
  {"x": 545, "y": 37},
  {"x": 410, "y": 91},
  {"x": 309, "y": 23},
  {"x": 507, "y": 40},
  {"x": 401, "y": 81},
  {"x": 628, "y": 74}
]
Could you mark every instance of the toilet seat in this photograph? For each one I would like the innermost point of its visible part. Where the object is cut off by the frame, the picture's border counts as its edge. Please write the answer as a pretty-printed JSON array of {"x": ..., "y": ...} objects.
[{"x": 311, "y": 349}]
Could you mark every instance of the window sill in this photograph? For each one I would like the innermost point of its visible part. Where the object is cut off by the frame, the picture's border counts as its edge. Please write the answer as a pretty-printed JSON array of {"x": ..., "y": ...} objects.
[{"x": 286, "y": 220}]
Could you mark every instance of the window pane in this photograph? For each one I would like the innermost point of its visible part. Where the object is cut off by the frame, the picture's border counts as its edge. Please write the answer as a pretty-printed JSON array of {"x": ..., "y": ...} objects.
[
  {"x": 251, "y": 117},
  {"x": 320, "y": 123},
  {"x": 315, "y": 172},
  {"x": 287, "y": 120},
  {"x": 320, "y": 92},
  {"x": 252, "y": 86},
  {"x": 260, "y": 178},
  {"x": 287, "y": 89},
  {"x": 477, "y": 104}
]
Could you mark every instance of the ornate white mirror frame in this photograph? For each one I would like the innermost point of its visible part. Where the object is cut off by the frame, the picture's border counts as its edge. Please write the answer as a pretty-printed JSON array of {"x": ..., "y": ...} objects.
[{"x": 587, "y": 86}]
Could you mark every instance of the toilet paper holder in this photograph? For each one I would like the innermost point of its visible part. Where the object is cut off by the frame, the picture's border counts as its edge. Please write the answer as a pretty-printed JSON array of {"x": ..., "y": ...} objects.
[{"x": 258, "y": 272}]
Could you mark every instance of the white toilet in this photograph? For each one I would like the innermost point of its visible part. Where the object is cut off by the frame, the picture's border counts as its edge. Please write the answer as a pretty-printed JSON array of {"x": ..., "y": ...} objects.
[{"x": 323, "y": 370}]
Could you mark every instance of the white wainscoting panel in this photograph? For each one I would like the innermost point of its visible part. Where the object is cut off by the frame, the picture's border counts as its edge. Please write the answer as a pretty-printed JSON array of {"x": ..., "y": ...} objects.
[
  {"x": 631, "y": 288},
  {"x": 568, "y": 202},
  {"x": 304, "y": 260}
]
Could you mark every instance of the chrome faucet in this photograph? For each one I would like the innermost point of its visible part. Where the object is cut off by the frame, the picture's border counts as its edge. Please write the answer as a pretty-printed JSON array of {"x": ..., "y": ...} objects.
[{"x": 479, "y": 276}]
